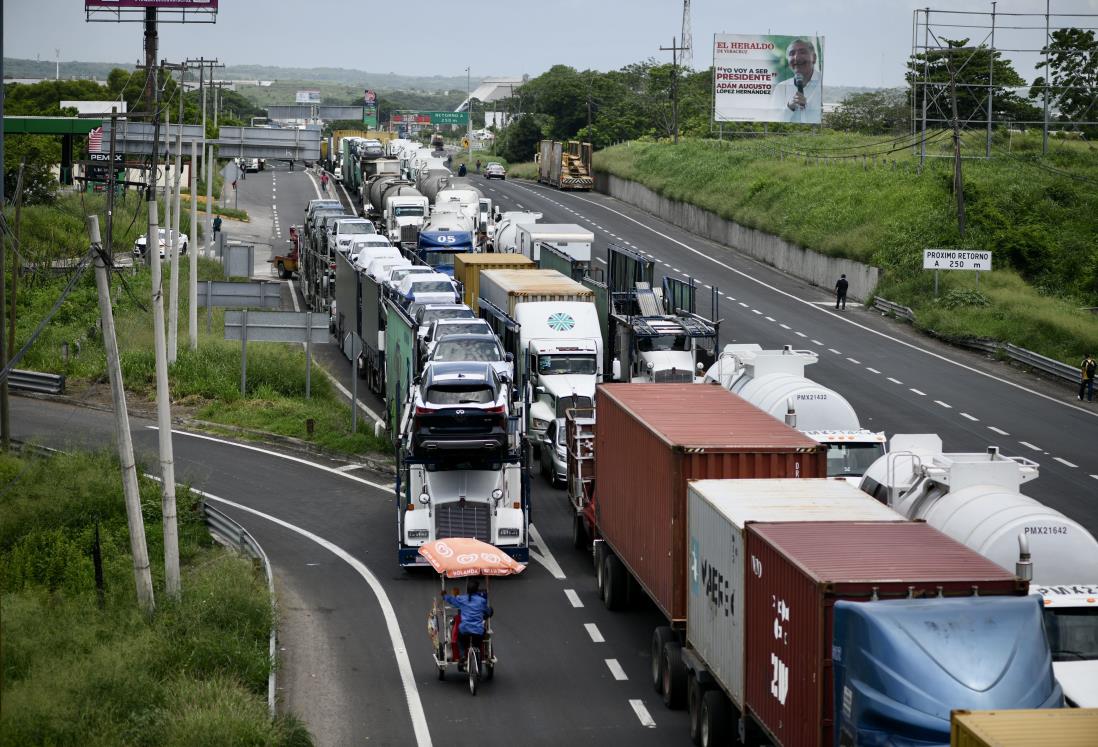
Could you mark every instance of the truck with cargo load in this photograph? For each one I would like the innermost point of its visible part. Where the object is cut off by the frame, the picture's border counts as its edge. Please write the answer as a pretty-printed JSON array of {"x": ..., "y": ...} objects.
[
  {"x": 467, "y": 269},
  {"x": 818, "y": 619},
  {"x": 976, "y": 499},
  {"x": 507, "y": 224},
  {"x": 565, "y": 165},
  {"x": 1063, "y": 727},
  {"x": 774, "y": 381},
  {"x": 569, "y": 238}
]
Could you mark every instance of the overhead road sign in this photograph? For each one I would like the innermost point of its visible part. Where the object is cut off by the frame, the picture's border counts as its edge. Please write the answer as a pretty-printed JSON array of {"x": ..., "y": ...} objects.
[
  {"x": 240, "y": 142},
  {"x": 956, "y": 259},
  {"x": 429, "y": 118},
  {"x": 15, "y": 125}
]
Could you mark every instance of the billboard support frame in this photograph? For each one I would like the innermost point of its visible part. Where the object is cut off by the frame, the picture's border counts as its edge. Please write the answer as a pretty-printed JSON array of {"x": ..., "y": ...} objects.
[{"x": 167, "y": 11}]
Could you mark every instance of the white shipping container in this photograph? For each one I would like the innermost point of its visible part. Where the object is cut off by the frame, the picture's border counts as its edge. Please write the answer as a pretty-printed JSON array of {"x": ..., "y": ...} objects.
[
  {"x": 717, "y": 513},
  {"x": 507, "y": 288}
]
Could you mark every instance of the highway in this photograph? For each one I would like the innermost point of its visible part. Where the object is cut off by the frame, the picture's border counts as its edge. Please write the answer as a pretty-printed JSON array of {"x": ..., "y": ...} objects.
[{"x": 356, "y": 661}]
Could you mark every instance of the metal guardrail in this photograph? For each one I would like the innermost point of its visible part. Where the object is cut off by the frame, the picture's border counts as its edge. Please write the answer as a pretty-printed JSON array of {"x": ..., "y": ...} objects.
[
  {"x": 1046, "y": 365},
  {"x": 902, "y": 312},
  {"x": 237, "y": 536},
  {"x": 34, "y": 381}
]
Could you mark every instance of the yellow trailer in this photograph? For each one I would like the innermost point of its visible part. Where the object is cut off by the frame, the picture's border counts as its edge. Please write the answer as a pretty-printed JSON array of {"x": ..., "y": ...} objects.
[
  {"x": 467, "y": 269},
  {"x": 1062, "y": 727}
]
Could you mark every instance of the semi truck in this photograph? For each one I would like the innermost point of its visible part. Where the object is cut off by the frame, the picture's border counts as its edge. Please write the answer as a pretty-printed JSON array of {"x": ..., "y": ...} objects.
[
  {"x": 393, "y": 203},
  {"x": 467, "y": 269},
  {"x": 815, "y": 618},
  {"x": 976, "y": 498},
  {"x": 565, "y": 165},
  {"x": 774, "y": 381},
  {"x": 568, "y": 238},
  {"x": 506, "y": 236}
]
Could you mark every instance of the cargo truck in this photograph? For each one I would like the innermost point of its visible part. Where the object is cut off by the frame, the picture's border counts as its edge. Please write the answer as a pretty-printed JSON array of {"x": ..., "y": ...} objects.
[
  {"x": 1063, "y": 727},
  {"x": 467, "y": 269},
  {"x": 507, "y": 225},
  {"x": 573, "y": 240},
  {"x": 565, "y": 165},
  {"x": 802, "y": 589},
  {"x": 550, "y": 325},
  {"x": 395, "y": 203},
  {"x": 774, "y": 381},
  {"x": 976, "y": 499}
]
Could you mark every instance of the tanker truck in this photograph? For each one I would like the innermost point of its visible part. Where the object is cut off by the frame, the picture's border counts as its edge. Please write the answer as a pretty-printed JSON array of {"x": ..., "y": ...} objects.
[
  {"x": 975, "y": 498},
  {"x": 395, "y": 203},
  {"x": 774, "y": 381}
]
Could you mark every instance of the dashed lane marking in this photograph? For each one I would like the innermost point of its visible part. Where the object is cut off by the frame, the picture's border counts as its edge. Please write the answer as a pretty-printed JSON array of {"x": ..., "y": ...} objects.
[
  {"x": 1000, "y": 431},
  {"x": 943, "y": 404},
  {"x": 855, "y": 362},
  {"x": 756, "y": 311},
  {"x": 921, "y": 394},
  {"x": 642, "y": 714},
  {"x": 1032, "y": 447},
  {"x": 593, "y": 631},
  {"x": 970, "y": 417},
  {"x": 600, "y": 259},
  {"x": 573, "y": 598},
  {"x": 800, "y": 334},
  {"x": 1066, "y": 463},
  {"x": 895, "y": 381},
  {"x": 785, "y": 326},
  {"x": 833, "y": 350},
  {"x": 770, "y": 319},
  {"x": 816, "y": 342},
  {"x": 616, "y": 670},
  {"x": 744, "y": 305},
  {"x": 872, "y": 370}
]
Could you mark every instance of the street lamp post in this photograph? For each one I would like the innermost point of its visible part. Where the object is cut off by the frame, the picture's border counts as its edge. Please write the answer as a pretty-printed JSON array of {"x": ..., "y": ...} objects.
[{"x": 468, "y": 117}]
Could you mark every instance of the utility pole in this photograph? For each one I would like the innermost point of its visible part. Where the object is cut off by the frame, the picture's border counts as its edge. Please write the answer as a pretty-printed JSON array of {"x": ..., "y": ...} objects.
[
  {"x": 192, "y": 279},
  {"x": 958, "y": 179},
  {"x": 674, "y": 49},
  {"x": 142, "y": 574},
  {"x": 15, "y": 263},
  {"x": 173, "y": 228},
  {"x": 207, "y": 149}
]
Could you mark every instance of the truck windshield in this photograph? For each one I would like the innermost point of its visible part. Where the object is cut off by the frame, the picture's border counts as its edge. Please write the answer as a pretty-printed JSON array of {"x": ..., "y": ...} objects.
[
  {"x": 402, "y": 211},
  {"x": 663, "y": 342},
  {"x": 1072, "y": 633},
  {"x": 439, "y": 259},
  {"x": 467, "y": 350},
  {"x": 852, "y": 460},
  {"x": 566, "y": 364},
  {"x": 564, "y": 404}
]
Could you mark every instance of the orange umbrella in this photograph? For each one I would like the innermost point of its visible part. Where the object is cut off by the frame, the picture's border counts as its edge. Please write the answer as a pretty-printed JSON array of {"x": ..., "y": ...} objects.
[{"x": 461, "y": 556}]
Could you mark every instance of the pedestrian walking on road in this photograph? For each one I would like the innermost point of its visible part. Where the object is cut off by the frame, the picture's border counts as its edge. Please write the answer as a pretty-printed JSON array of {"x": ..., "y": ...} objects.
[
  {"x": 840, "y": 292},
  {"x": 449, "y": 161},
  {"x": 324, "y": 180},
  {"x": 1086, "y": 370},
  {"x": 461, "y": 170},
  {"x": 217, "y": 226},
  {"x": 478, "y": 165}
]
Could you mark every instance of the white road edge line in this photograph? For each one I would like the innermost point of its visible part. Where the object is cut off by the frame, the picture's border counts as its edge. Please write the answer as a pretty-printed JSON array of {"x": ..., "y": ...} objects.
[
  {"x": 642, "y": 714},
  {"x": 400, "y": 651},
  {"x": 573, "y": 598},
  {"x": 593, "y": 631},
  {"x": 813, "y": 305},
  {"x": 616, "y": 670},
  {"x": 544, "y": 555}
]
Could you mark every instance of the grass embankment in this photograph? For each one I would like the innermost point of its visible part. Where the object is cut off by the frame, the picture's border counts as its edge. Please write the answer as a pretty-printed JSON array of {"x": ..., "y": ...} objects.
[
  {"x": 1040, "y": 223},
  {"x": 204, "y": 383},
  {"x": 77, "y": 671},
  {"x": 231, "y": 213},
  {"x": 527, "y": 170}
]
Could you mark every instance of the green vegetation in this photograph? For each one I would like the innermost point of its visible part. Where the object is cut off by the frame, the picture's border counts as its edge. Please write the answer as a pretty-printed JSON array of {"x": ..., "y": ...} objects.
[
  {"x": 204, "y": 383},
  {"x": 1038, "y": 214},
  {"x": 227, "y": 212},
  {"x": 527, "y": 170},
  {"x": 98, "y": 672}
]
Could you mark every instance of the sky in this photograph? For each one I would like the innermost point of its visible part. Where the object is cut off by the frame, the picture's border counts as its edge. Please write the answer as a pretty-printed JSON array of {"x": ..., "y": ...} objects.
[{"x": 867, "y": 41}]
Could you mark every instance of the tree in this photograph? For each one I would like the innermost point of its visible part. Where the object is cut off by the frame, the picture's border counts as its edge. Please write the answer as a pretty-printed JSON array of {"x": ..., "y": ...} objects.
[
  {"x": 977, "y": 72},
  {"x": 520, "y": 139},
  {"x": 1072, "y": 76},
  {"x": 884, "y": 112}
]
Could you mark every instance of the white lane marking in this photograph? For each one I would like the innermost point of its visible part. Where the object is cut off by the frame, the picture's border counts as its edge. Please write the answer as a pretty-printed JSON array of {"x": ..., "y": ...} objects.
[
  {"x": 833, "y": 350},
  {"x": 1095, "y": 477},
  {"x": 1028, "y": 445},
  {"x": 872, "y": 370},
  {"x": 1066, "y": 463},
  {"x": 573, "y": 598},
  {"x": 756, "y": 311},
  {"x": 349, "y": 467},
  {"x": 895, "y": 381},
  {"x": 616, "y": 670},
  {"x": 520, "y": 206},
  {"x": 396, "y": 639},
  {"x": 707, "y": 286},
  {"x": 973, "y": 419},
  {"x": 770, "y": 319},
  {"x": 855, "y": 362},
  {"x": 675, "y": 269},
  {"x": 817, "y": 342},
  {"x": 800, "y": 334},
  {"x": 544, "y": 555},
  {"x": 288, "y": 457},
  {"x": 744, "y": 305},
  {"x": 943, "y": 404},
  {"x": 593, "y": 631},
  {"x": 839, "y": 317},
  {"x": 642, "y": 714},
  {"x": 1000, "y": 431},
  {"x": 600, "y": 259},
  {"x": 921, "y": 394},
  {"x": 784, "y": 326}
]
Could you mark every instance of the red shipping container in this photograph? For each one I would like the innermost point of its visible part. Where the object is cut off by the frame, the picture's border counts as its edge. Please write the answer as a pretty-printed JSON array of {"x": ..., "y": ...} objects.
[
  {"x": 649, "y": 440},
  {"x": 796, "y": 572}
]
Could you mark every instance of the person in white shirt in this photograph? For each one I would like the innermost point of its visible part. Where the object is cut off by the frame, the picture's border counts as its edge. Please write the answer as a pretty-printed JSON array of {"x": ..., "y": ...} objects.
[{"x": 800, "y": 98}]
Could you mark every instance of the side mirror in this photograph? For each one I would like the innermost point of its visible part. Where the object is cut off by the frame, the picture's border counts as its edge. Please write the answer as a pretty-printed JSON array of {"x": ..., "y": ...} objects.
[
  {"x": 616, "y": 373},
  {"x": 539, "y": 390},
  {"x": 424, "y": 498}
]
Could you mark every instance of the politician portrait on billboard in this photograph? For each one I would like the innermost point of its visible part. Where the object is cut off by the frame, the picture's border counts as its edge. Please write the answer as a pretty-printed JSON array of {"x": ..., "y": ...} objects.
[{"x": 767, "y": 78}]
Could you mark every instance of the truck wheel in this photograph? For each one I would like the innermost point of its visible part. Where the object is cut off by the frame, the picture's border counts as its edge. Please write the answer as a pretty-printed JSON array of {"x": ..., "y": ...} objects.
[
  {"x": 673, "y": 682},
  {"x": 661, "y": 636},
  {"x": 613, "y": 583},
  {"x": 579, "y": 533},
  {"x": 694, "y": 692},
  {"x": 715, "y": 727}
]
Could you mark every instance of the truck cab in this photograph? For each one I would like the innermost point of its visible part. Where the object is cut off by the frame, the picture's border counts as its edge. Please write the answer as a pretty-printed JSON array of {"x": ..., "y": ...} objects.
[
  {"x": 403, "y": 211},
  {"x": 437, "y": 248},
  {"x": 1071, "y": 619},
  {"x": 663, "y": 349}
]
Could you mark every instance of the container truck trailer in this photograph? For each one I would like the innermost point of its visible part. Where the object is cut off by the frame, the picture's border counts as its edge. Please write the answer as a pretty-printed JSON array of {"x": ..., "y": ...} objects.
[{"x": 566, "y": 166}]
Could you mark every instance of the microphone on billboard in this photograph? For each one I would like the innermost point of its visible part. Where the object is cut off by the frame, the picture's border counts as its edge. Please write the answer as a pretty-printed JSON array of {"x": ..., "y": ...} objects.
[{"x": 798, "y": 81}]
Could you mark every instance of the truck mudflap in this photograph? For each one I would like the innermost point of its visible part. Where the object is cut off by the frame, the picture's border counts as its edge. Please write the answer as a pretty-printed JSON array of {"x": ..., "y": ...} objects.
[{"x": 409, "y": 557}]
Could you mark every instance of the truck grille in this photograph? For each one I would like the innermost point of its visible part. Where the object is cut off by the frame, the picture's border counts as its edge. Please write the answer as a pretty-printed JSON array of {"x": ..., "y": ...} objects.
[
  {"x": 471, "y": 520},
  {"x": 671, "y": 376}
]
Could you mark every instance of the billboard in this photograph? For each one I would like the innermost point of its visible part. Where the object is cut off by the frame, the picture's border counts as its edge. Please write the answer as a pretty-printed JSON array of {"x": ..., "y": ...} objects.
[
  {"x": 204, "y": 5},
  {"x": 369, "y": 109},
  {"x": 768, "y": 78},
  {"x": 307, "y": 97}
]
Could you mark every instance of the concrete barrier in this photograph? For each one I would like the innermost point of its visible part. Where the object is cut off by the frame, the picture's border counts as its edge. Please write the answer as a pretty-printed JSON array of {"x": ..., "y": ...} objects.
[{"x": 797, "y": 261}]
